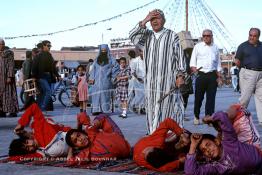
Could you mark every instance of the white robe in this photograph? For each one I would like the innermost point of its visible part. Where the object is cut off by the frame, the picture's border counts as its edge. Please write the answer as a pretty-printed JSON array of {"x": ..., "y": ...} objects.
[
  {"x": 163, "y": 59},
  {"x": 136, "y": 89}
]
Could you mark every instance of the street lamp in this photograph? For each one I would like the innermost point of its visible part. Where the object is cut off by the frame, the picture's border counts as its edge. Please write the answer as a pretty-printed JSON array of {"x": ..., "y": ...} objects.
[{"x": 103, "y": 34}]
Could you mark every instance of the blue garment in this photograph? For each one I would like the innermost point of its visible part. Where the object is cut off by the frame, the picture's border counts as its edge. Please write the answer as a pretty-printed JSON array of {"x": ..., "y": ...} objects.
[
  {"x": 103, "y": 75},
  {"x": 46, "y": 91},
  {"x": 249, "y": 55}
]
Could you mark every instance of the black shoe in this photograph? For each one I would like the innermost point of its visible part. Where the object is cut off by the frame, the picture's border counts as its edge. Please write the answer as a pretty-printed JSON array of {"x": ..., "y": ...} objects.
[
  {"x": 135, "y": 110},
  {"x": 21, "y": 109},
  {"x": 96, "y": 113},
  {"x": 2, "y": 114},
  {"x": 143, "y": 111},
  {"x": 12, "y": 115}
]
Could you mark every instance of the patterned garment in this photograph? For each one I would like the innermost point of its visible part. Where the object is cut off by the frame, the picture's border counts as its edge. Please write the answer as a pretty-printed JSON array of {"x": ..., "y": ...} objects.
[
  {"x": 82, "y": 88},
  {"x": 8, "y": 95},
  {"x": 163, "y": 57},
  {"x": 236, "y": 157},
  {"x": 122, "y": 85},
  {"x": 245, "y": 128}
]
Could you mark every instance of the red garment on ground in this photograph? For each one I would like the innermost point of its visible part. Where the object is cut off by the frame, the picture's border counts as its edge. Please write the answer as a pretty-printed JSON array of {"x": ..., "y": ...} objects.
[
  {"x": 106, "y": 143},
  {"x": 44, "y": 129},
  {"x": 157, "y": 140}
]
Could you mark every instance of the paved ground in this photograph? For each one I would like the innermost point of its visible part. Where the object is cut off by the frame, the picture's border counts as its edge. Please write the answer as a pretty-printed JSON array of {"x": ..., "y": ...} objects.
[{"x": 133, "y": 128}]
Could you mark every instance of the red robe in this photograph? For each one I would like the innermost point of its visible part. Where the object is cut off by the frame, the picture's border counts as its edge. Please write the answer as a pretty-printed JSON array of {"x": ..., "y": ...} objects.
[
  {"x": 44, "y": 129},
  {"x": 107, "y": 143},
  {"x": 157, "y": 140}
]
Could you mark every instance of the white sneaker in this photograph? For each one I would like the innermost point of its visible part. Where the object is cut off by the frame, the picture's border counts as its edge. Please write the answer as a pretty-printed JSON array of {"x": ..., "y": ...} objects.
[{"x": 196, "y": 121}]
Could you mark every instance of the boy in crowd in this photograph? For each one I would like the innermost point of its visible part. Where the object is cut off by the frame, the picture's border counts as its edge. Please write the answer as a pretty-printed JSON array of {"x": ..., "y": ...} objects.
[{"x": 47, "y": 138}]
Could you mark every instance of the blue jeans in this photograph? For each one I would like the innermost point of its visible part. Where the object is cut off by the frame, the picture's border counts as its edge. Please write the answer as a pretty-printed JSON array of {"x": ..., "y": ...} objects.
[{"x": 46, "y": 91}]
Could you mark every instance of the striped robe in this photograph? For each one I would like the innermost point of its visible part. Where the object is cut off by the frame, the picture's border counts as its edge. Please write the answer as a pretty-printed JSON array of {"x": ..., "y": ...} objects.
[
  {"x": 163, "y": 59},
  {"x": 8, "y": 95}
]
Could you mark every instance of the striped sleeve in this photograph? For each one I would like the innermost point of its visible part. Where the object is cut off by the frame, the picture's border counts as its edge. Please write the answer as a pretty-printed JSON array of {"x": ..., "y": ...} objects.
[{"x": 138, "y": 35}]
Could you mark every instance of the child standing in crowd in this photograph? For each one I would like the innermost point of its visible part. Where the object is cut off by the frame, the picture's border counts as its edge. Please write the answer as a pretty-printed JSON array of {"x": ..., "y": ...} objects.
[
  {"x": 82, "y": 87},
  {"x": 122, "y": 85}
]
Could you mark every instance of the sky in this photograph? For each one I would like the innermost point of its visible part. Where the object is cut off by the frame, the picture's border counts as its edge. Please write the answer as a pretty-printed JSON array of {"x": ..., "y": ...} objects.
[{"x": 36, "y": 17}]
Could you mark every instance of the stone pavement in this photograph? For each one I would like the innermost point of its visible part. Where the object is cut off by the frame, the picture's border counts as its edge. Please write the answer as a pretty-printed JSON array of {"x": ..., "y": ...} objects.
[{"x": 133, "y": 128}]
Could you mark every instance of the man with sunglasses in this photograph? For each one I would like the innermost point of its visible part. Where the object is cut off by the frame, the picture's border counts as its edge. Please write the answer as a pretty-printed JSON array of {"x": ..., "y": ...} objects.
[
  {"x": 206, "y": 55},
  {"x": 44, "y": 71},
  {"x": 249, "y": 59}
]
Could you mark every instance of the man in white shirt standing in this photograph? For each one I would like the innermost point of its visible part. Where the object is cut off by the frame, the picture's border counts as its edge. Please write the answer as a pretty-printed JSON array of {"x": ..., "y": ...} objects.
[
  {"x": 136, "y": 86},
  {"x": 206, "y": 55},
  {"x": 234, "y": 76}
]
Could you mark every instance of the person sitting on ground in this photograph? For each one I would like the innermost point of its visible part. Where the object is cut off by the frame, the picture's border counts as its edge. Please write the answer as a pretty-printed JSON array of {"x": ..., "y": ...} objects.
[
  {"x": 158, "y": 153},
  {"x": 229, "y": 156},
  {"x": 47, "y": 138},
  {"x": 242, "y": 122},
  {"x": 101, "y": 141}
]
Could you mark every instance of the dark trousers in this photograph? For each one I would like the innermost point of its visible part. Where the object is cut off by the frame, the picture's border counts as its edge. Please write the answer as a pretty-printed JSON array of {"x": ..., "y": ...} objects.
[
  {"x": 185, "y": 99},
  {"x": 205, "y": 83}
]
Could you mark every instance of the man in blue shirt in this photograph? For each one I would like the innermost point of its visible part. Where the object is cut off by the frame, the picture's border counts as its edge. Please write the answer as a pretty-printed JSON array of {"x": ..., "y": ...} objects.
[{"x": 249, "y": 59}]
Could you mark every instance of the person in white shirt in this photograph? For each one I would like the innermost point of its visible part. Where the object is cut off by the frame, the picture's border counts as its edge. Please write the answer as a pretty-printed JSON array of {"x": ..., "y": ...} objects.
[
  {"x": 136, "y": 85},
  {"x": 206, "y": 56},
  {"x": 234, "y": 76}
]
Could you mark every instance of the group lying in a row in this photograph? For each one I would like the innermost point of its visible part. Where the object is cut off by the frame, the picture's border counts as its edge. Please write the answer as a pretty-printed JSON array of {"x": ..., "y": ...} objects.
[{"x": 236, "y": 149}]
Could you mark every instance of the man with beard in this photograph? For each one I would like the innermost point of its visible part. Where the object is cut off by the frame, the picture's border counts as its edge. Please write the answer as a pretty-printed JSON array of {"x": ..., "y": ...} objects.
[{"x": 104, "y": 71}]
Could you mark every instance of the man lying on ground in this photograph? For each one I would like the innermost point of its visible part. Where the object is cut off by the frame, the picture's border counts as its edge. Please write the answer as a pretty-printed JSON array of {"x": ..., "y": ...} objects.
[
  {"x": 47, "y": 138},
  {"x": 157, "y": 153},
  {"x": 102, "y": 141},
  {"x": 226, "y": 156}
]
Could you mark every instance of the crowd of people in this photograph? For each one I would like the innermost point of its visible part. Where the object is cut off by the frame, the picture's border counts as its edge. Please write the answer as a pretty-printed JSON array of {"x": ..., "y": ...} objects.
[{"x": 151, "y": 84}]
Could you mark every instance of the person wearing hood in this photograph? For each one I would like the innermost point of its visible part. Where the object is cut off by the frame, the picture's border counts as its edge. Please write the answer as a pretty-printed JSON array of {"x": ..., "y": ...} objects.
[{"x": 104, "y": 71}]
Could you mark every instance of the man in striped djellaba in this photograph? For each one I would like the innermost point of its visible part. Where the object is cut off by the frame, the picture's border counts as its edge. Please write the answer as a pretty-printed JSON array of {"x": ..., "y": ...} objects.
[{"x": 164, "y": 59}]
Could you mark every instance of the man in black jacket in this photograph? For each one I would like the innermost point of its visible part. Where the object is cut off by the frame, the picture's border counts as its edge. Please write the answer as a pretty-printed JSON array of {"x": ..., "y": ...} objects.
[{"x": 44, "y": 71}]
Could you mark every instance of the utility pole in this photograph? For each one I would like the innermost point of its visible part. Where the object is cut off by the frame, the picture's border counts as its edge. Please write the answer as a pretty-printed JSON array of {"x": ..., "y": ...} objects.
[
  {"x": 187, "y": 15},
  {"x": 103, "y": 34}
]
